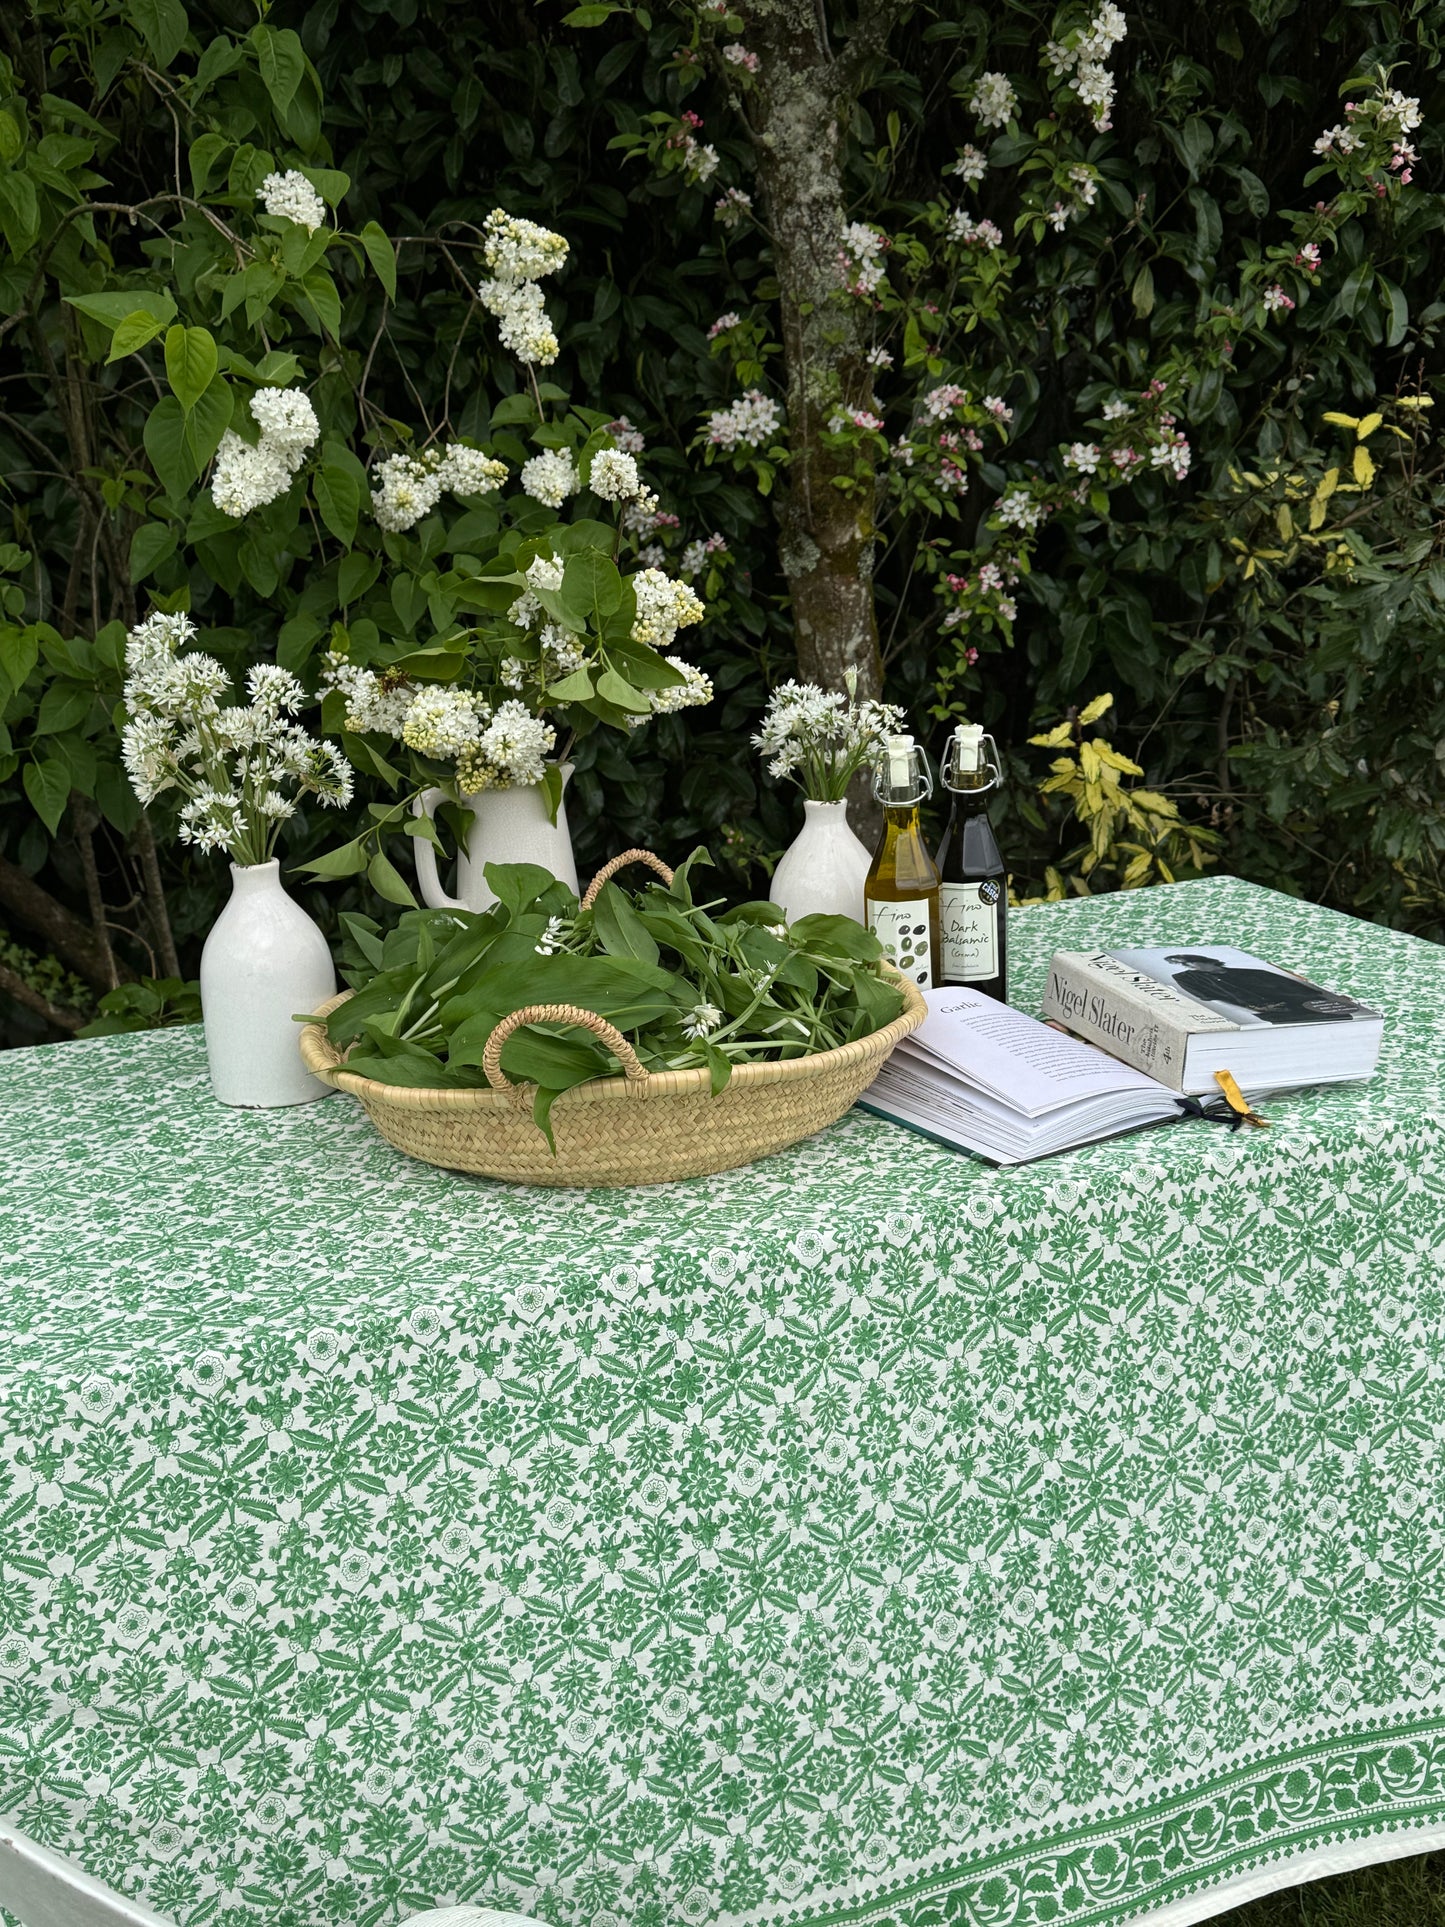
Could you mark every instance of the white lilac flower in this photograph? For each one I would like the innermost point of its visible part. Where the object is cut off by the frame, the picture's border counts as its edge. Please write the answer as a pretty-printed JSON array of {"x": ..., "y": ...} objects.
[
  {"x": 512, "y": 673},
  {"x": 544, "y": 572},
  {"x": 663, "y": 607},
  {"x": 613, "y": 476},
  {"x": 443, "y": 721},
  {"x": 407, "y": 488},
  {"x": 749, "y": 422},
  {"x": 291, "y": 197},
  {"x": 286, "y": 420},
  {"x": 562, "y": 653},
  {"x": 525, "y": 610},
  {"x": 551, "y": 477},
  {"x": 517, "y": 250},
  {"x": 467, "y": 471},
  {"x": 372, "y": 706},
  {"x": 694, "y": 690},
  {"x": 525, "y": 328},
  {"x": 248, "y": 476},
  {"x": 702, "y": 1021},
  {"x": 993, "y": 100},
  {"x": 510, "y": 753}
]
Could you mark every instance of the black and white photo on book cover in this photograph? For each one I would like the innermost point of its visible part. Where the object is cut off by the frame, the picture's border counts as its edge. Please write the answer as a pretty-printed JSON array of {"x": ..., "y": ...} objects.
[{"x": 1243, "y": 987}]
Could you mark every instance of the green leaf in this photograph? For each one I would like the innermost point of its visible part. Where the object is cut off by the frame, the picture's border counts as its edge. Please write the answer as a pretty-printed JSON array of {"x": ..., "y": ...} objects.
[
  {"x": 381, "y": 255},
  {"x": 47, "y": 784},
  {"x": 112, "y": 309},
  {"x": 338, "y": 499},
  {"x": 204, "y": 154},
  {"x": 62, "y": 707},
  {"x": 12, "y": 140},
  {"x": 349, "y": 860},
  {"x": 592, "y": 14},
  {"x": 19, "y": 212},
  {"x": 134, "y": 333},
  {"x": 282, "y": 63},
  {"x": 355, "y": 576},
  {"x": 551, "y": 788},
  {"x": 164, "y": 25},
  {"x": 575, "y": 688},
  {"x": 165, "y": 443},
  {"x": 208, "y": 421},
  {"x": 321, "y": 293},
  {"x": 517, "y": 885},
  {"x": 613, "y": 689},
  {"x": 620, "y": 930},
  {"x": 191, "y": 363},
  {"x": 152, "y": 544},
  {"x": 388, "y": 882},
  {"x": 19, "y": 653}
]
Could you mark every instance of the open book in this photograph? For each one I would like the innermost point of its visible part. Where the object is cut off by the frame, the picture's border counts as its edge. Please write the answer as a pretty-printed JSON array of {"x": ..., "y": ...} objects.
[{"x": 986, "y": 1078}]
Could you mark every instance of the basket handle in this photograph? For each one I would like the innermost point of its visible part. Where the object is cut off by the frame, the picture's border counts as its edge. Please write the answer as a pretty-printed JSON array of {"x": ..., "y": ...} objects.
[
  {"x": 609, "y": 870},
  {"x": 557, "y": 1014}
]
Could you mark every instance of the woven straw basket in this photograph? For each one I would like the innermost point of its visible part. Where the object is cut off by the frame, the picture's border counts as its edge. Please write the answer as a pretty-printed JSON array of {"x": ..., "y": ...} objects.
[{"x": 640, "y": 1128}]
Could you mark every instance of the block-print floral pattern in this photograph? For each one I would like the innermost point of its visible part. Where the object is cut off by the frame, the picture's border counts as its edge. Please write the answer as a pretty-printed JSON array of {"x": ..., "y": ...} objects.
[{"x": 868, "y": 1535}]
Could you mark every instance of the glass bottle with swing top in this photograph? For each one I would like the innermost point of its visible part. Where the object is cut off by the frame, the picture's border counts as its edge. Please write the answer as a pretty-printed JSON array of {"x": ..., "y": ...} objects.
[
  {"x": 901, "y": 893},
  {"x": 973, "y": 894}
]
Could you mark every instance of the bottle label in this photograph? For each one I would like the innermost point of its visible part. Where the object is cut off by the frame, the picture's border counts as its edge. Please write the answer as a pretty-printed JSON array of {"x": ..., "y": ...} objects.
[
  {"x": 968, "y": 915},
  {"x": 906, "y": 934}
]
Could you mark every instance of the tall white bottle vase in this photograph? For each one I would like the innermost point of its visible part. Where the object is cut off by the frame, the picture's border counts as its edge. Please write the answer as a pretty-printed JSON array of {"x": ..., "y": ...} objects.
[{"x": 264, "y": 962}]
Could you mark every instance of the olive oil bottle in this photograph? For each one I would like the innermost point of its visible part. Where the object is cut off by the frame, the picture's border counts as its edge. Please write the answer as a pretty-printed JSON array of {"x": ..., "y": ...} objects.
[
  {"x": 973, "y": 895},
  {"x": 901, "y": 893}
]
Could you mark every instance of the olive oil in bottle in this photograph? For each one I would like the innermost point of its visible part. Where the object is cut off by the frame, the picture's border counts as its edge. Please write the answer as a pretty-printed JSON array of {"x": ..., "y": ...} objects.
[
  {"x": 901, "y": 893},
  {"x": 973, "y": 895}
]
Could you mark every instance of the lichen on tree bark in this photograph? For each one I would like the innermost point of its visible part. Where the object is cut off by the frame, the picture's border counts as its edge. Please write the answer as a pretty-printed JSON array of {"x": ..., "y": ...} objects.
[{"x": 798, "y": 114}]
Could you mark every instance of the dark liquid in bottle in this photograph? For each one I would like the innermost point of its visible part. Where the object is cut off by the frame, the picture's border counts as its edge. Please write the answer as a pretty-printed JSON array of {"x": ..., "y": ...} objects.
[{"x": 973, "y": 898}]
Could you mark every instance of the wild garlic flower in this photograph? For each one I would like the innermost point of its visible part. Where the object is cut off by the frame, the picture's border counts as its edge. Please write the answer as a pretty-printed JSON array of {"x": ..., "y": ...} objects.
[
  {"x": 551, "y": 477},
  {"x": 233, "y": 763},
  {"x": 701, "y": 1021},
  {"x": 291, "y": 197},
  {"x": 820, "y": 738},
  {"x": 249, "y": 476},
  {"x": 551, "y": 939}
]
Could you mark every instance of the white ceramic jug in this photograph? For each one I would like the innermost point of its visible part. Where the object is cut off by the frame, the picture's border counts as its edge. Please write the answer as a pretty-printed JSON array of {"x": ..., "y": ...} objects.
[
  {"x": 508, "y": 826},
  {"x": 265, "y": 963},
  {"x": 823, "y": 870}
]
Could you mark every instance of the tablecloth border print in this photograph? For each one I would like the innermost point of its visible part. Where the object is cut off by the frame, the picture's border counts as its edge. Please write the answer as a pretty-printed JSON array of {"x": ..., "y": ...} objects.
[{"x": 1130, "y": 1862}]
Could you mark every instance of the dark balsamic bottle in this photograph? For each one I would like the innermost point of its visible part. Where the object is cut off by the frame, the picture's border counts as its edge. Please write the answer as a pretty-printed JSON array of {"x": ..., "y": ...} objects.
[{"x": 973, "y": 894}]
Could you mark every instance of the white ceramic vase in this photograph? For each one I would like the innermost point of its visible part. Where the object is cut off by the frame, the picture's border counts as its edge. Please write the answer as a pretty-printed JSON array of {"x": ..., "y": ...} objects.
[
  {"x": 265, "y": 962},
  {"x": 824, "y": 868},
  {"x": 508, "y": 826}
]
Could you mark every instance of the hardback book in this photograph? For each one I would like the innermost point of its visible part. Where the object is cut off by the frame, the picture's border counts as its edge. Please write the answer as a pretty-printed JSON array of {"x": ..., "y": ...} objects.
[
  {"x": 1183, "y": 1013},
  {"x": 983, "y": 1077}
]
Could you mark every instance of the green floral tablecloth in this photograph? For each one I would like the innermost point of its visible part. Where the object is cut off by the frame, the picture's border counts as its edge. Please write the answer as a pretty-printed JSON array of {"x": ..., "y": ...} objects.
[{"x": 865, "y": 1536}]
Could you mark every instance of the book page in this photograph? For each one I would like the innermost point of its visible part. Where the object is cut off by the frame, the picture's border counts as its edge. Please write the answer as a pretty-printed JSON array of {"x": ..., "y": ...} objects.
[{"x": 1032, "y": 1067}]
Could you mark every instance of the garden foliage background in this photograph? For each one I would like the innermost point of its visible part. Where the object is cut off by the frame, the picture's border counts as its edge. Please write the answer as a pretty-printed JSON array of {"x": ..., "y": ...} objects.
[{"x": 1271, "y": 624}]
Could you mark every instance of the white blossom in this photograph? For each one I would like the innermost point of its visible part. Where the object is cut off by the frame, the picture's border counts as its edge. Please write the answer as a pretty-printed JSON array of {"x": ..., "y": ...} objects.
[
  {"x": 551, "y": 477},
  {"x": 663, "y": 607},
  {"x": 971, "y": 165},
  {"x": 467, "y": 471},
  {"x": 694, "y": 690},
  {"x": 749, "y": 422},
  {"x": 613, "y": 476},
  {"x": 993, "y": 100},
  {"x": 1018, "y": 509},
  {"x": 248, "y": 476},
  {"x": 525, "y": 328},
  {"x": 702, "y": 1021},
  {"x": 544, "y": 572},
  {"x": 291, "y": 197},
  {"x": 1083, "y": 456},
  {"x": 517, "y": 250},
  {"x": 407, "y": 488}
]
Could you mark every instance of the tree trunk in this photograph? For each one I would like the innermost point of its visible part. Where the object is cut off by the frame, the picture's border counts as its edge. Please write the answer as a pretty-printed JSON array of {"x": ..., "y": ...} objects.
[{"x": 825, "y": 533}]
